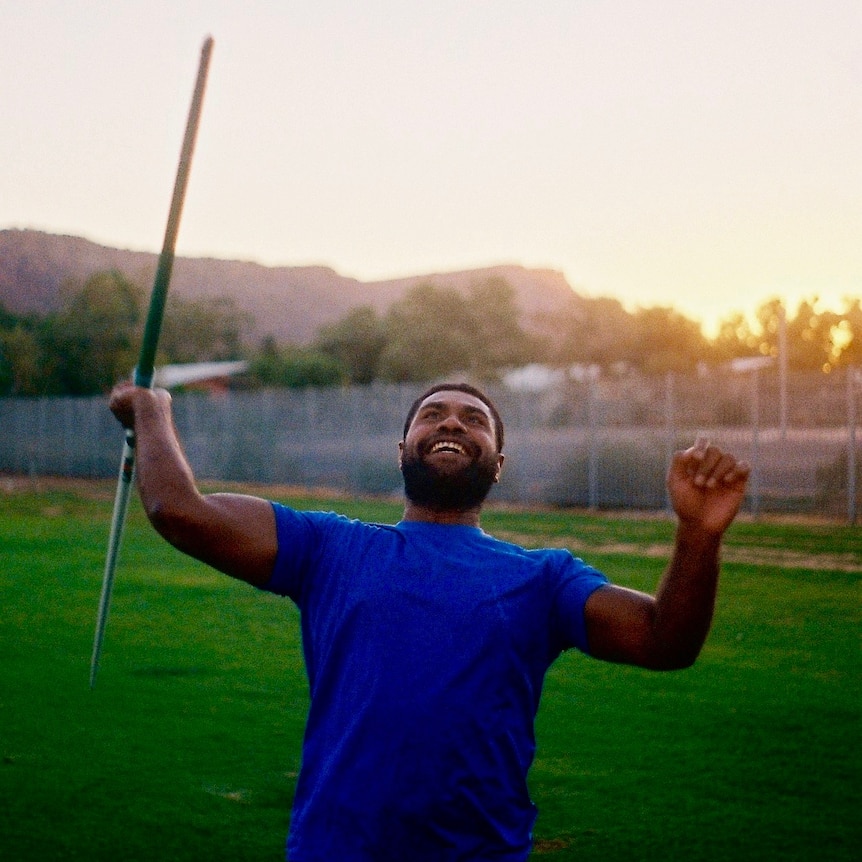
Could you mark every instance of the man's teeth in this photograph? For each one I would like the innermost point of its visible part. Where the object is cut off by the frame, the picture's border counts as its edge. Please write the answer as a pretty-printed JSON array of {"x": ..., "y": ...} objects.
[{"x": 448, "y": 446}]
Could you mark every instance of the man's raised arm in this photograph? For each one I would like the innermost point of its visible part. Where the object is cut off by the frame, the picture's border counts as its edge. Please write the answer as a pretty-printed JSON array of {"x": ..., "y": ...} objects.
[
  {"x": 233, "y": 533},
  {"x": 667, "y": 631}
]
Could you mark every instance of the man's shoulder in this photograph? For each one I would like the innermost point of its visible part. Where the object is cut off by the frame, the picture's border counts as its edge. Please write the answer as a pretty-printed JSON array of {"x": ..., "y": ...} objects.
[
  {"x": 560, "y": 564},
  {"x": 323, "y": 521}
]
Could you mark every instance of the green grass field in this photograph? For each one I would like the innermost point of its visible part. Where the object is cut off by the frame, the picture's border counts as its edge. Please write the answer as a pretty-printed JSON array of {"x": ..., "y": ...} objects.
[{"x": 188, "y": 747}]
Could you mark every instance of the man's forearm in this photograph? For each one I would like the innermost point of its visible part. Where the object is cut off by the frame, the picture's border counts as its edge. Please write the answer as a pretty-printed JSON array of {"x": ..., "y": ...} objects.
[
  {"x": 165, "y": 480},
  {"x": 233, "y": 533},
  {"x": 685, "y": 598},
  {"x": 667, "y": 631}
]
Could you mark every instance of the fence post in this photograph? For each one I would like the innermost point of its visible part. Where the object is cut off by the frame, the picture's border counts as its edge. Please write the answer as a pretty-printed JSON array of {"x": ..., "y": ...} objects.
[
  {"x": 782, "y": 369},
  {"x": 851, "y": 445},
  {"x": 593, "y": 455},
  {"x": 669, "y": 435},
  {"x": 755, "y": 442}
]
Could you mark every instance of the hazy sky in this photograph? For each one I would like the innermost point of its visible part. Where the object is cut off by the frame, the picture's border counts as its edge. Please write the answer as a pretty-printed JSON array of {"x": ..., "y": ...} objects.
[{"x": 706, "y": 155}]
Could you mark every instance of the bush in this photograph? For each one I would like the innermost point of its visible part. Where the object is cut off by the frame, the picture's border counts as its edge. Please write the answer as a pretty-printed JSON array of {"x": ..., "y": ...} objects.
[{"x": 296, "y": 368}]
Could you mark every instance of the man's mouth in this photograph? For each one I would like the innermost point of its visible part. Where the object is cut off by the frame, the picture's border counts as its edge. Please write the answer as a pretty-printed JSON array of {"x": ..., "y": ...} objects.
[{"x": 448, "y": 446}]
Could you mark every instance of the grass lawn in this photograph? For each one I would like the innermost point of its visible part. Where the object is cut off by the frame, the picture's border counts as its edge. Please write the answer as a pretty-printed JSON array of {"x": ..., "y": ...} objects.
[{"x": 188, "y": 747}]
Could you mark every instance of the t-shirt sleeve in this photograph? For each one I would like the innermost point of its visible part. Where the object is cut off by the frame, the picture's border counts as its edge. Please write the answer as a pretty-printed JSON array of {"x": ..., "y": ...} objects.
[
  {"x": 576, "y": 583},
  {"x": 298, "y": 540}
]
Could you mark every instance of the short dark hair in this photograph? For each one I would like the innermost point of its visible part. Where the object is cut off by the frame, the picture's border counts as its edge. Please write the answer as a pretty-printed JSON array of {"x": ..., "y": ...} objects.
[{"x": 458, "y": 387}]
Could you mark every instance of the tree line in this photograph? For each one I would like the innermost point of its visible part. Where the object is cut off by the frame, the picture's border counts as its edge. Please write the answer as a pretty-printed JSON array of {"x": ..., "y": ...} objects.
[{"x": 93, "y": 340}]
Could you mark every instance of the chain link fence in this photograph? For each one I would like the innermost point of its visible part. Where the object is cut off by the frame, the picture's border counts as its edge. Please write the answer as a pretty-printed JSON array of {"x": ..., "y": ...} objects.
[{"x": 597, "y": 442}]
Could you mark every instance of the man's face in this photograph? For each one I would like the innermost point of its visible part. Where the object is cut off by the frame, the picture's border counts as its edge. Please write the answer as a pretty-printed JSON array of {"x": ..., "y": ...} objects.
[{"x": 449, "y": 457}]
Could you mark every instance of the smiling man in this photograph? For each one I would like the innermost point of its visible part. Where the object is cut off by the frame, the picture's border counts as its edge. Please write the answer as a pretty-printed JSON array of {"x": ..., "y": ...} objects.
[
  {"x": 426, "y": 643},
  {"x": 451, "y": 455}
]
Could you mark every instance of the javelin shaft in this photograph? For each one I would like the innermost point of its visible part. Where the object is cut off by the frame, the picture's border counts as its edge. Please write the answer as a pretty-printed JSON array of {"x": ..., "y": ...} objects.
[
  {"x": 121, "y": 502},
  {"x": 147, "y": 357},
  {"x": 143, "y": 375}
]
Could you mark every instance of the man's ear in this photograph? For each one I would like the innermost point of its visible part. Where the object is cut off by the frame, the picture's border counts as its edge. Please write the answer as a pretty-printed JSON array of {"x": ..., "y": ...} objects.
[
  {"x": 500, "y": 459},
  {"x": 400, "y": 452}
]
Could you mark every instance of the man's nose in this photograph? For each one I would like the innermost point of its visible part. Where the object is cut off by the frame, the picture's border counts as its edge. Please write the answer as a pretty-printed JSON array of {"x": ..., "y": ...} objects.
[{"x": 451, "y": 421}]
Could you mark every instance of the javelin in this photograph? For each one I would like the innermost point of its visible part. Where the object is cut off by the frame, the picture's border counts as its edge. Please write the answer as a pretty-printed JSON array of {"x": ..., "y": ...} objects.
[{"x": 143, "y": 375}]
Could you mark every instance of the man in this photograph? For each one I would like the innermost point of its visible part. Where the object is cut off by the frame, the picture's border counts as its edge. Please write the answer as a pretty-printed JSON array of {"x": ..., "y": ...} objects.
[{"x": 426, "y": 642}]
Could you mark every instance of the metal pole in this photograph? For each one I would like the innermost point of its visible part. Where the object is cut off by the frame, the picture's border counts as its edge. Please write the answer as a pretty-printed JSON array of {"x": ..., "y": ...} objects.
[
  {"x": 851, "y": 445},
  {"x": 782, "y": 369},
  {"x": 755, "y": 443},
  {"x": 669, "y": 441},
  {"x": 593, "y": 454},
  {"x": 143, "y": 375}
]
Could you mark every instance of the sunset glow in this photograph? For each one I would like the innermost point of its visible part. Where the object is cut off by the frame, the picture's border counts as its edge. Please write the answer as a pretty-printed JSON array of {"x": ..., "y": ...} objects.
[{"x": 704, "y": 156}]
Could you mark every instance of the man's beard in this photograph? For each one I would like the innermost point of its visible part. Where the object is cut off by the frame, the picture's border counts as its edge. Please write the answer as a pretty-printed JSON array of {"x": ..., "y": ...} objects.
[{"x": 459, "y": 491}]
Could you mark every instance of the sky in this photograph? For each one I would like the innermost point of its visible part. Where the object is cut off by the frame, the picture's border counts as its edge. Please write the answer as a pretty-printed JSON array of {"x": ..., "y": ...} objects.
[{"x": 702, "y": 155}]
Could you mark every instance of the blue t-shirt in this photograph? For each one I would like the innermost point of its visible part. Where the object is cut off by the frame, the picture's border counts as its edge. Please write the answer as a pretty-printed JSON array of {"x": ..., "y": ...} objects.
[{"x": 426, "y": 646}]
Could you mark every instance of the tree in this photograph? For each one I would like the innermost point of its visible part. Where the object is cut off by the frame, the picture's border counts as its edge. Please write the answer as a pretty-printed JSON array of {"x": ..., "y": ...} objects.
[
  {"x": 98, "y": 332},
  {"x": 809, "y": 338},
  {"x": 664, "y": 340},
  {"x": 599, "y": 331},
  {"x": 203, "y": 330},
  {"x": 736, "y": 338},
  {"x": 20, "y": 362},
  {"x": 429, "y": 334},
  {"x": 595, "y": 331},
  {"x": 7, "y": 319},
  {"x": 817, "y": 339},
  {"x": 501, "y": 342},
  {"x": 295, "y": 367},
  {"x": 357, "y": 342},
  {"x": 847, "y": 335},
  {"x": 435, "y": 331}
]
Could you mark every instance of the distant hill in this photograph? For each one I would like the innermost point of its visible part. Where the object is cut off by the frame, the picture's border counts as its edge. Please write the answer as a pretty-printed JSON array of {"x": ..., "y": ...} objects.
[{"x": 288, "y": 302}]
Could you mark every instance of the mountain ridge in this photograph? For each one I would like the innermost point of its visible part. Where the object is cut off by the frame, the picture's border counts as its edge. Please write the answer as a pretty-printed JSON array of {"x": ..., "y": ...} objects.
[{"x": 290, "y": 303}]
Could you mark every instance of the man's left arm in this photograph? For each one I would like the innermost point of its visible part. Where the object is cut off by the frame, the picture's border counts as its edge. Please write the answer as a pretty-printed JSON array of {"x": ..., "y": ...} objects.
[{"x": 667, "y": 631}]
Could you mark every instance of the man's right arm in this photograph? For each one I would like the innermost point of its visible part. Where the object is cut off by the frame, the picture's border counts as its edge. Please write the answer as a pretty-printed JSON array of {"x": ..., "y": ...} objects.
[{"x": 233, "y": 533}]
